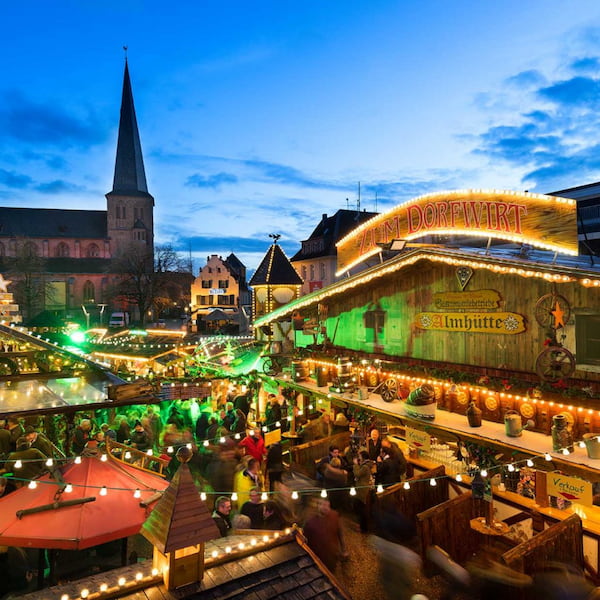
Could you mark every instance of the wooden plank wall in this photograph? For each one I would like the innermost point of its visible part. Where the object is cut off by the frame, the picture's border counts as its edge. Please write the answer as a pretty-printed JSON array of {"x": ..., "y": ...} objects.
[
  {"x": 304, "y": 456},
  {"x": 447, "y": 525},
  {"x": 418, "y": 498},
  {"x": 561, "y": 542}
]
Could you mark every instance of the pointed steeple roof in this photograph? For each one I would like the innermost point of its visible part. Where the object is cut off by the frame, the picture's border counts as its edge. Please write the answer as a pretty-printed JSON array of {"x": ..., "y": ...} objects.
[
  {"x": 130, "y": 177},
  {"x": 275, "y": 269},
  {"x": 180, "y": 518}
]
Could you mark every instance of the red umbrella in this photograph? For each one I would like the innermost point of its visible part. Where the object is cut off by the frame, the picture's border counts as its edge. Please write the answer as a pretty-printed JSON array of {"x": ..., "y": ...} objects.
[{"x": 44, "y": 517}]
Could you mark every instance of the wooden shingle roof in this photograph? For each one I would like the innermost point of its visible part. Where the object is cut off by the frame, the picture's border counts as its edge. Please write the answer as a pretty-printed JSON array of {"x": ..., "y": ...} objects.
[{"x": 180, "y": 518}]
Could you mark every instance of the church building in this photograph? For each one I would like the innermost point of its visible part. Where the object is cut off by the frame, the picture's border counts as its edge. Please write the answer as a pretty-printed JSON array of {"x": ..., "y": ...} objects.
[{"x": 63, "y": 260}]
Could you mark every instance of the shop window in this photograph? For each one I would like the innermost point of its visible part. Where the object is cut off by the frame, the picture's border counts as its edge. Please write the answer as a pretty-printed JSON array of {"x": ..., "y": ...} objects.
[{"x": 587, "y": 332}]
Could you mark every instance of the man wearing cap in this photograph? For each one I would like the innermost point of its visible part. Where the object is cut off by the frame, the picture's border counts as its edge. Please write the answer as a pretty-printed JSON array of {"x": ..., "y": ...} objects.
[{"x": 39, "y": 441}]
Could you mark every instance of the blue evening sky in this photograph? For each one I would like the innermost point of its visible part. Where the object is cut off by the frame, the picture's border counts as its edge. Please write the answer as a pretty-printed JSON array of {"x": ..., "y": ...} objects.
[{"x": 258, "y": 116}]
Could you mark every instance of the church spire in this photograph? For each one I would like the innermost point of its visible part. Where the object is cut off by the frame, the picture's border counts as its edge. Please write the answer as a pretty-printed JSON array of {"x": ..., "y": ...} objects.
[{"x": 130, "y": 177}]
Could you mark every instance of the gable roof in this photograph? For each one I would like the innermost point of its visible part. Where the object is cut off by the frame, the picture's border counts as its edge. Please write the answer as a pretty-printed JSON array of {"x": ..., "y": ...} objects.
[
  {"x": 52, "y": 223},
  {"x": 330, "y": 230},
  {"x": 180, "y": 518},
  {"x": 275, "y": 269}
]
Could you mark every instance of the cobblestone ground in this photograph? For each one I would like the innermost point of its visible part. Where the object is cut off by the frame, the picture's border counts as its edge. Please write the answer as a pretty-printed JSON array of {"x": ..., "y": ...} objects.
[{"x": 362, "y": 574}]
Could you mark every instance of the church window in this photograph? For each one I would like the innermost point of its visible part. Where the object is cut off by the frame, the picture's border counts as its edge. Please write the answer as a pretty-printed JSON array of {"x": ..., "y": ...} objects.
[
  {"x": 93, "y": 251},
  {"x": 89, "y": 292},
  {"x": 62, "y": 249},
  {"x": 30, "y": 249}
]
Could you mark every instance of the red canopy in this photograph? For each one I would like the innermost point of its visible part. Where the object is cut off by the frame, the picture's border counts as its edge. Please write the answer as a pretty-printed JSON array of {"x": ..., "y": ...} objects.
[{"x": 99, "y": 519}]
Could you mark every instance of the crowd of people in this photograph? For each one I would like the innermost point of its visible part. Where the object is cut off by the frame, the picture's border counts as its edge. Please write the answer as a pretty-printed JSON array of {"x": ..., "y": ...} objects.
[{"x": 230, "y": 460}]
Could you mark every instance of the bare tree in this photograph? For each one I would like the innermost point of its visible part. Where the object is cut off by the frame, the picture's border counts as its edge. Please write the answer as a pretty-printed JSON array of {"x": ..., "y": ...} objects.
[{"x": 145, "y": 278}]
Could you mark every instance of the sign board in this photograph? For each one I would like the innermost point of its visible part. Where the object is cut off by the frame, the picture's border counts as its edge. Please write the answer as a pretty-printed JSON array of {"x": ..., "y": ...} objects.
[
  {"x": 419, "y": 439},
  {"x": 272, "y": 437},
  {"x": 569, "y": 488},
  {"x": 541, "y": 221},
  {"x": 507, "y": 323},
  {"x": 216, "y": 291},
  {"x": 475, "y": 300}
]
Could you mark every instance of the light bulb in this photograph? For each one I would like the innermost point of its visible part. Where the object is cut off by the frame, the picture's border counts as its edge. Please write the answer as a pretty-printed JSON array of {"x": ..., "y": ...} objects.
[
  {"x": 18, "y": 464},
  {"x": 104, "y": 458},
  {"x": 127, "y": 455},
  {"x": 565, "y": 451},
  {"x": 379, "y": 489},
  {"x": 277, "y": 423},
  {"x": 103, "y": 587},
  {"x": 68, "y": 488},
  {"x": 149, "y": 452},
  {"x": 529, "y": 462},
  {"x": 459, "y": 477},
  {"x": 432, "y": 482},
  {"x": 483, "y": 473},
  {"x": 121, "y": 581},
  {"x": 205, "y": 443},
  {"x": 582, "y": 444},
  {"x": 32, "y": 485},
  {"x": 294, "y": 495},
  {"x": 138, "y": 576},
  {"x": 511, "y": 467},
  {"x": 78, "y": 460},
  {"x": 49, "y": 462},
  {"x": 234, "y": 497},
  {"x": 406, "y": 485},
  {"x": 103, "y": 491},
  {"x": 547, "y": 456},
  {"x": 137, "y": 493},
  {"x": 84, "y": 593},
  {"x": 237, "y": 436},
  {"x": 170, "y": 450},
  {"x": 353, "y": 491},
  {"x": 323, "y": 493},
  {"x": 203, "y": 496}
]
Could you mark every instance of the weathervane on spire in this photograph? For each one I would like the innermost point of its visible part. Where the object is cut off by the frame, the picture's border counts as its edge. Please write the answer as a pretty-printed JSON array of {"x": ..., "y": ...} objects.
[
  {"x": 125, "y": 50},
  {"x": 275, "y": 237}
]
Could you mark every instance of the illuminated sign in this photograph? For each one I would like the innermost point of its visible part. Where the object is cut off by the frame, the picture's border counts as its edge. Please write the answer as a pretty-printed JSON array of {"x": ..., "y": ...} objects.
[
  {"x": 507, "y": 323},
  {"x": 216, "y": 291},
  {"x": 542, "y": 221},
  {"x": 569, "y": 488}
]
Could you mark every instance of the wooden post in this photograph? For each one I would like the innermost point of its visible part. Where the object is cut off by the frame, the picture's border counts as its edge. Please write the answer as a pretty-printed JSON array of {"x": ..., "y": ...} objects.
[{"x": 541, "y": 489}]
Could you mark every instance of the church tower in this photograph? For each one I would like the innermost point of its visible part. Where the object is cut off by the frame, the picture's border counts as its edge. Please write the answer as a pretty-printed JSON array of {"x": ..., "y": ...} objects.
[{"x": 130, "y": 208}]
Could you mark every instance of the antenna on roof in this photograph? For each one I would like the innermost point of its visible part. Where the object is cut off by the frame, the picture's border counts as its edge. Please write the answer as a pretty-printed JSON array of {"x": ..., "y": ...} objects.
[
  {"x": 125, "y": 50},
  {"x": 358, "y": 199},
  {"x": 347, "y": 204}
]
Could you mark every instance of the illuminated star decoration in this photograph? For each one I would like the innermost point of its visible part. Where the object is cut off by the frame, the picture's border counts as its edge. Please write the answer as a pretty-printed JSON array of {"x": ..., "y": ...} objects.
[
  {"x": 559, "y": 314},
  {"x": 4, "y": 283}
]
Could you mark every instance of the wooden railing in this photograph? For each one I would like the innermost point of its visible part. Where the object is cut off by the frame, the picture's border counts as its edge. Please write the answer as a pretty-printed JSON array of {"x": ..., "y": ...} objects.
[
  {"x": 135, "y": 457},
  {"x": 562, "y": 542},
  {"x": 419, "y": 497},
  {"x": 305, "y": 456},
  {"x": 448, "y": 525}
]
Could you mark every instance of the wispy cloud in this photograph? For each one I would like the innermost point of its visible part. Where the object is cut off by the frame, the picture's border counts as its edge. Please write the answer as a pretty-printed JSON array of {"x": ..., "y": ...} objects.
[
  {"x": 24, "y": 120},
  {"x": 58, "y": 186},
  {"x": 211, "y": 181},
  {"x": 14, "y": 180}
]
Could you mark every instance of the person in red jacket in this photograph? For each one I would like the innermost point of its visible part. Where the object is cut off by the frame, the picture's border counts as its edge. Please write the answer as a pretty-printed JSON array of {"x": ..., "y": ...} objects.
[{"x": 254, "y": 445}]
